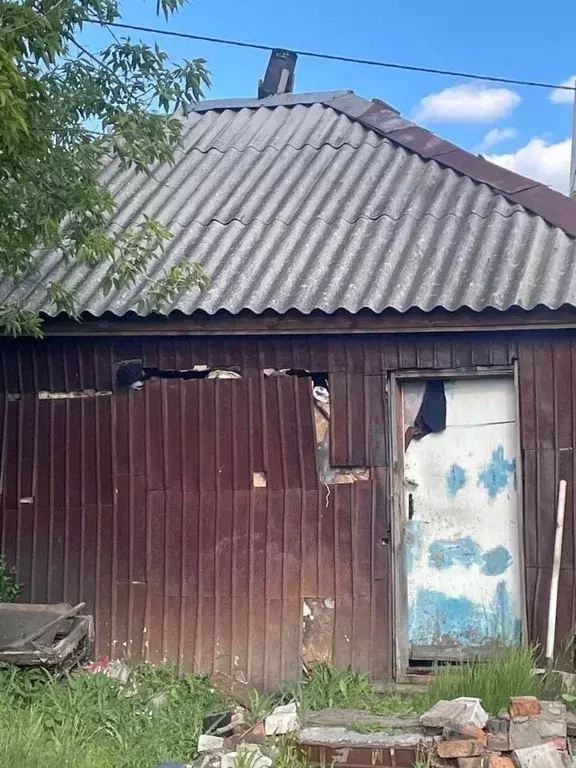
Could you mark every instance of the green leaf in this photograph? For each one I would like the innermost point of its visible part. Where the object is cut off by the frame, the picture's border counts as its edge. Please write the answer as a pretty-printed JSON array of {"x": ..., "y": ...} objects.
[{"x": 64, "y": 111}]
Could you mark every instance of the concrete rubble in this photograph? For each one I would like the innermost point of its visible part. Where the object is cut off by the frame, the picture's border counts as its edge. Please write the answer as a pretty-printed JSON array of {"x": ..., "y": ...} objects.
[
  {"x": 530, "y": 734},
  {"x": 284, "y": 719},
  {"x": 234, "y": 742}
]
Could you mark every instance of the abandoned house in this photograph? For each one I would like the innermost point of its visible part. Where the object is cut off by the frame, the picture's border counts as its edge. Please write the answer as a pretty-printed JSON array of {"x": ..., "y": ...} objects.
[{"x": 348, "y": 448}]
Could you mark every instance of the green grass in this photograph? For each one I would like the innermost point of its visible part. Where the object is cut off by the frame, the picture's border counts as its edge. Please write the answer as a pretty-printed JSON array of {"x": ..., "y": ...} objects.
[
  {"x": 510, "y": 673},
  {"x": 88, "y": 721},
  {"x": 327, "y": 687}
]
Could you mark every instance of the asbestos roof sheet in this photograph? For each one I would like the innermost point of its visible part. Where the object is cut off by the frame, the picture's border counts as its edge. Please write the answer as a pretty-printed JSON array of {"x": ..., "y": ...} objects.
[{"x": 327, "y": 201}]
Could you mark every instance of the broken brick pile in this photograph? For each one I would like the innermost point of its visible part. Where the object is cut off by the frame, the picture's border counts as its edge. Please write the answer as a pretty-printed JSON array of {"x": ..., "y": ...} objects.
[
  {"x": 233, "y": 742},
  {"x": 531, "y": 734}
]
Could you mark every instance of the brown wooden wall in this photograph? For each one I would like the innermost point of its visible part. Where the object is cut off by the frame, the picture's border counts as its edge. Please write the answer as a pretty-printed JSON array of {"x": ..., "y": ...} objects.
[{"x": 142, "y": 503}]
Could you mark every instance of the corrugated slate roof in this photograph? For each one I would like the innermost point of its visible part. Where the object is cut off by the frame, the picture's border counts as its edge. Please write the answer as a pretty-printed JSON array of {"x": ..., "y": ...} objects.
[{"x": 327, "y": 201}]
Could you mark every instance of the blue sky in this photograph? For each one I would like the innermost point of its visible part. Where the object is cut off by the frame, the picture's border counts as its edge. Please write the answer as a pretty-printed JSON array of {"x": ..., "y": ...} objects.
[{"x": 532, "y": 39}]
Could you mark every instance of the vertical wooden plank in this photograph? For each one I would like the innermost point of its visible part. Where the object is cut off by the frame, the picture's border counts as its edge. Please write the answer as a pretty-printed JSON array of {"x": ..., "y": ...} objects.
[
  {"x": 356, "y": 422},
  {"x": 291, "y": 551},
  {"x": 544, "y": 391},
  {"x": 527, "y": 395},
  {"x": 190, "y": 432},
  {"x": 274, "y": 544},
  {"x": 224, "y": 517},
  {"x": 310, "y": 548},
  {"x": 376, "y": 431},
  {"x": 156, "y": 435},
  {"x": 226, "y": 431},
  {"x": 530, "y": 508},
  {"x": 326, "y": 544},
  {"x": 271, "y": 418},
  {"x": 338, "y": 420}
]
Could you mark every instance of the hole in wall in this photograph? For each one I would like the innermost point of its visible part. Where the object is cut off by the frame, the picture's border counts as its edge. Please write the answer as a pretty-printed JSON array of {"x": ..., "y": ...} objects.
[
  {"x": 259, "y": 480},
  {"x": 131, "y": 374},
  {"x": 320, "y": 389}
]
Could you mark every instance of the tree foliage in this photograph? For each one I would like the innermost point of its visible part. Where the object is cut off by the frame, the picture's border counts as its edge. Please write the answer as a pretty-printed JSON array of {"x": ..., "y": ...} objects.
[{"x": 63, "y": 111}]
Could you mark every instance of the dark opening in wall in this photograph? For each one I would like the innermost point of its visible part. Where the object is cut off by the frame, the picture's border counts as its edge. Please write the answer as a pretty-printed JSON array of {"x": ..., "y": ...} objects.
[
  {"x": 131, "y": 374},
  {"x": 320, "y": 389}
]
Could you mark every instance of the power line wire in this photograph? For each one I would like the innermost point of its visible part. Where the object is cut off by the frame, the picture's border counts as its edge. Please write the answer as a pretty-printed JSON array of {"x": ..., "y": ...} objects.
[{"x": 335, "y": 57}]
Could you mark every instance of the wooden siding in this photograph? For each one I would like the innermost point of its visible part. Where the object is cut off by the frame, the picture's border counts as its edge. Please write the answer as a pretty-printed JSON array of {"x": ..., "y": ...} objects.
[{"x": 143, "y": 504}]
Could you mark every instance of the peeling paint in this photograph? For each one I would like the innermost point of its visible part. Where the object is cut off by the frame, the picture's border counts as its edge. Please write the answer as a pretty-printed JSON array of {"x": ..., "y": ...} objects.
[
  {"x": 438, "y": 619},
  {"x": 445, "y": 553},
  {"x": 455, "y": 480},
  {"x": 494, "y": 477},
  {"x": 496, "y": 561}
]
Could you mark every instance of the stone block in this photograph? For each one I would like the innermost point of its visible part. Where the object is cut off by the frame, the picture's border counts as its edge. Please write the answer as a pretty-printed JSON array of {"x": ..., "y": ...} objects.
[
  {"x": 283, "y": 719},
  {"x": 464, "y": 711},
  {"x": 462, "y": 748},
  {"x": 524, "y": 706},
  {"x": 554, "y": 710},
  {"x": 498, "y": 742},
  {"x": 543, "y": 756},
  {"x": 229, "y": 760},
  {"x": 207, "y": 743},
  {"x": 471, "y": 762},
  {"x": 550, "y": 729},
  {"x": 498, "y": 761},
  {"x": 456, "y": 731},
  {"x": 523, "y": 734}
]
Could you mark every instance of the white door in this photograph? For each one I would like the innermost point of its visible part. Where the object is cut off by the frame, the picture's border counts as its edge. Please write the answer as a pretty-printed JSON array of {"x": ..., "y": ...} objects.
[{"x": 461, "y": 529}]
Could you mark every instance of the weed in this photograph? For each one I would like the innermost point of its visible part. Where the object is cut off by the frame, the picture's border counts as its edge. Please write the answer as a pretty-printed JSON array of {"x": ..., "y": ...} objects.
[
  {"x": 261, "y": 705},
  {"x": 570, "y": 701},
  {"x": 246, "y": 758},
  {"x": 326, "y": 687},
  {"x": 88, "y": 721},
  {"x": 9, "y": 587},
  {"x": 291, "y": 756},
  {"x": 509, "y": 673}
]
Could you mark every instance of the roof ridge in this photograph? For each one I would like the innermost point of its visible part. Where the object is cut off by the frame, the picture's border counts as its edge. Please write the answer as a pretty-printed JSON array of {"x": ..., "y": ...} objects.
[
  {"x": 555, "y": 208},
  {"x": 376, "y": 115}
]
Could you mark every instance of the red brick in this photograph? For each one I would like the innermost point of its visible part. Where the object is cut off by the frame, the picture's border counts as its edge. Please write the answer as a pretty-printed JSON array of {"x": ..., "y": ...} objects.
[
  {"x": 462, "y": 748},
  {"x": 256, "y": 734},
  {"x": 471, "y": 762},
  {"x": 461, "y": 731},
  {"x": 499, "y": 761},
  {"x": 524, "y": 706}
]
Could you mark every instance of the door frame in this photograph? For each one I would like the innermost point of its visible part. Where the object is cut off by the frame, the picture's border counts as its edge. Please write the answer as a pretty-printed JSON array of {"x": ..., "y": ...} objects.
[{"x": 397, "y": 501}]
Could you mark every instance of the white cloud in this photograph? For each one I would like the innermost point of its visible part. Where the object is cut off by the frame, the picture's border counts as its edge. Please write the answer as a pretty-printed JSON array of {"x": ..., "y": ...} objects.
[
  {"x": 547, "y": 163},
  {"x": 469, "y": 103},
  {"x": 495, "y": 136},
  {"x": 559, "y": 96}
]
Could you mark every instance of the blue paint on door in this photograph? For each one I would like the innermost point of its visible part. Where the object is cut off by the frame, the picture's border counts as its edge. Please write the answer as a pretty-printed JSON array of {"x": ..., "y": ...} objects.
[
  {"x": 444, "y": 553},
  {"x": 437, "y": 619},
  {"x": 455, "y": 480},
  {"x": 495, "y": 561},
  {"x": 494, "y": 477}
]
